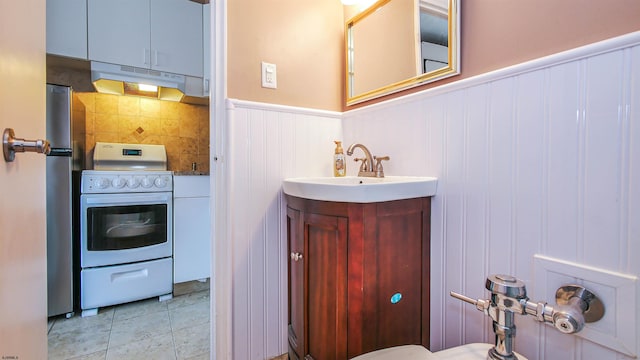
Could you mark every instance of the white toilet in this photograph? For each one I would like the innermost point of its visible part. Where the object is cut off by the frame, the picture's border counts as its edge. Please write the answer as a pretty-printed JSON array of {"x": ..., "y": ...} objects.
[{"x": 415, "y": 352}]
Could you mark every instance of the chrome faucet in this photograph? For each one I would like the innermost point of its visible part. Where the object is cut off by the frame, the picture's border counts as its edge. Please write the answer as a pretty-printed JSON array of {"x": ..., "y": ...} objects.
[
  {"x": 577, "y": 305},
  {"x": 366, "y": 166}
]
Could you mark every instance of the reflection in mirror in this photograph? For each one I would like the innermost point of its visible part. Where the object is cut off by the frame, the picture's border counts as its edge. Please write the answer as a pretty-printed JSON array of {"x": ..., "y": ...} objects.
[
  {"x": 434, "y": 34},
  {"x": 397, "y": 44}
]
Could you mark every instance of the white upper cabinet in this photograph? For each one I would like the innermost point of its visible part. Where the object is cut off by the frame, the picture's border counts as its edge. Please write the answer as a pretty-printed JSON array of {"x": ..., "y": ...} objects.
[
  {"x": 164, "y": 35},
  {"x": 67, "y": 28},
  {"x": 119, "y": 32},
  {"x": 206, "y": 31},
  {"x": 176, "y": 36}
]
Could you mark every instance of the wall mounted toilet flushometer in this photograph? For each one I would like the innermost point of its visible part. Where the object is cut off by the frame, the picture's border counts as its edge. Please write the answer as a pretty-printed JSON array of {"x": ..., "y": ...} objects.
[{"x": 576, "y": 305}]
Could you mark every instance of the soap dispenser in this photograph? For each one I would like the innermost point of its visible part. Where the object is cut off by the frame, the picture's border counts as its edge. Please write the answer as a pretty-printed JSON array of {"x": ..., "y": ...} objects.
[{"x": 339, "y": 163}]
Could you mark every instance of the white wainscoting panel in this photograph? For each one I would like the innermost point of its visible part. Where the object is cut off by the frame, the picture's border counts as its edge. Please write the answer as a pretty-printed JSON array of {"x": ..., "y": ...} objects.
[
  {"x": 541, "y": 158},
  {"x": 267, "y": 143}
]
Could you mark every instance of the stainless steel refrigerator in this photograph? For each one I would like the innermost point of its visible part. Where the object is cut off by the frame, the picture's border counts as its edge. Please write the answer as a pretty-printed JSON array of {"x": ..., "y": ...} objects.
[{"x": 64, "y": 164}]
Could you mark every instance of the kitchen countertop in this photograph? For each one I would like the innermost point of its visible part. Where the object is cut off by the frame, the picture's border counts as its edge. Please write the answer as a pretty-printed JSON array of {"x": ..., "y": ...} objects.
[{"x": 190, "y": 173}]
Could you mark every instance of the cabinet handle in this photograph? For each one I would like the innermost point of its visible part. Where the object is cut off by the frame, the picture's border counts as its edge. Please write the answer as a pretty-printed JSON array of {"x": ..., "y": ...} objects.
[
  {"x": 296, "y": 256},
  {"x": 146, "y": 55}
]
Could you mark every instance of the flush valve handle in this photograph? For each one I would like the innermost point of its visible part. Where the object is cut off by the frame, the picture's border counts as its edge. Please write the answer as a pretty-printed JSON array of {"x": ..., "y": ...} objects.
[{"x": 480, "y": 304}]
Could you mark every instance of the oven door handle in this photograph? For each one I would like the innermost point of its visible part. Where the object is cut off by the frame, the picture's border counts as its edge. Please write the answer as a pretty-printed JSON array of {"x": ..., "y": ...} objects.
[
  {"x": 127, "y": 275},
  {"x": 130, "y": 224}
]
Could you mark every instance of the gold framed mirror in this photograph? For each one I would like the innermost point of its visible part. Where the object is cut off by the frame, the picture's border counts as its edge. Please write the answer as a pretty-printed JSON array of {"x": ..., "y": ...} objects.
[{"x": 398, "y": 44}]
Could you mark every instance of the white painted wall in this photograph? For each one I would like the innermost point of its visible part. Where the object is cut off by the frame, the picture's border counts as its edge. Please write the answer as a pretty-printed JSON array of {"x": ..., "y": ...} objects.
[{"x": 539, "y": 158}]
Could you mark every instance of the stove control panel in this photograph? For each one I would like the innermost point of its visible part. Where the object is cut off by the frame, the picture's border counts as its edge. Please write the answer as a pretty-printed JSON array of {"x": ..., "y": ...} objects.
[{"x": 99, "y": 182}]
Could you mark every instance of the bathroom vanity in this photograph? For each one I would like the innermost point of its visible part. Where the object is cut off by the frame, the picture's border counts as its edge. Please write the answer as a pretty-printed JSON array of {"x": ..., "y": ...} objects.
[{"x": 358, "y": 276}]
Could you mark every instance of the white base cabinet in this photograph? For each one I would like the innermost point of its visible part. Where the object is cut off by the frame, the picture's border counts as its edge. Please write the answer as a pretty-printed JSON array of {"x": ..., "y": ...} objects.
[{"x": 192, "y": 228}]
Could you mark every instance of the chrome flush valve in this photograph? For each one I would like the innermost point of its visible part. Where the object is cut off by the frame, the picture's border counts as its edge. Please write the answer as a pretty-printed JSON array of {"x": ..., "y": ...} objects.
[{"x": 576, "y": 305}]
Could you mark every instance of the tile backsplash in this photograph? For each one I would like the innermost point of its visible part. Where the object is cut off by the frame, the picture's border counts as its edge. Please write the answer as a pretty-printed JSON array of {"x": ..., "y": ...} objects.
[{"x": 182, "y": 128}]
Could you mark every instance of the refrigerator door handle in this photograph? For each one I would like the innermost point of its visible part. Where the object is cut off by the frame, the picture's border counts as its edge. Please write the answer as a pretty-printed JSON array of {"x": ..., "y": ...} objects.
[{"x": 66, "y": 152}]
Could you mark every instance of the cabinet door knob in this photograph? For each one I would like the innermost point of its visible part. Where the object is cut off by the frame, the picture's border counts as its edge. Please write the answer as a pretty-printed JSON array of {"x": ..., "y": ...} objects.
[{"x": 296, "y": 256}]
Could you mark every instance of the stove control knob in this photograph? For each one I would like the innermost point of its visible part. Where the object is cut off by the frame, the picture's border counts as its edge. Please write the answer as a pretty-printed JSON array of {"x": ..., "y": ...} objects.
[
  {"x": 160, "y": 182},
  {"x": 102, "y": 183},
  {"x": 147, "y": 182},
  {"x": 133, "y": 182},
  {"x": 119, "y": 182}
]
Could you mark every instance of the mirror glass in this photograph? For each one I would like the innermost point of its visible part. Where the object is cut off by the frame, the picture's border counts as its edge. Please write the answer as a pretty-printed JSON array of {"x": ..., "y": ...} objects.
[{"x": 397, "y": 44}]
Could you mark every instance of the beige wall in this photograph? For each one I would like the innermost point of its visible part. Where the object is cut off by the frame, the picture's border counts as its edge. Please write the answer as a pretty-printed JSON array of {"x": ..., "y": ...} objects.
[
  {"x": 305, "y": 40},
  {"x": 496, "y": 34},
  {"x": 182, "y": 128},
  {"x": 499, "y": 33}
]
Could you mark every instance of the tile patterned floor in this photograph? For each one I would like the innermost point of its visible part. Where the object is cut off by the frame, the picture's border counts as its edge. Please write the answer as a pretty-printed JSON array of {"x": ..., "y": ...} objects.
[{"x": 147, "y": 329}]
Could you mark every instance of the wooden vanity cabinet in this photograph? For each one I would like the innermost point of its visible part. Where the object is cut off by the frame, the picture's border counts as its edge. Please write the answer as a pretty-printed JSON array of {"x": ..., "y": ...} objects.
[{"x": 358, "y": 276}]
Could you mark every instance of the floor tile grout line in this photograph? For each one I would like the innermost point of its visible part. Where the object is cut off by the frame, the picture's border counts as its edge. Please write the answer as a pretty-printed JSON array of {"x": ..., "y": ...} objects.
[
  {"x": 194, "y": 298},
  {"x": 173, "y": 335},
  {"x": 113, "y": 316}
]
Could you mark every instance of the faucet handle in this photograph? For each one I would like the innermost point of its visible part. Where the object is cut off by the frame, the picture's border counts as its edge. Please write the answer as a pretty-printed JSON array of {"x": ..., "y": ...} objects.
[
  {"x": 378, "y": 169},
  {"x": 363, "y": 165}
]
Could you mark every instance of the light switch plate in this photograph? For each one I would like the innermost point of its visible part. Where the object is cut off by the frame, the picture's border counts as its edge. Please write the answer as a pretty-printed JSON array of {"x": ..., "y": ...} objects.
[
  {"x": 618, "y": 292},
  {"x": 269, "y": 78}
]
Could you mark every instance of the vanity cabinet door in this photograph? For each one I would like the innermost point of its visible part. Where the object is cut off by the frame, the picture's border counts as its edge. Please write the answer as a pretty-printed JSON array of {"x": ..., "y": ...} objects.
[
  {"x": 325, "y": 240},
  {"x": 317, "y": 285},
  {"x": 395, "y": 276}
]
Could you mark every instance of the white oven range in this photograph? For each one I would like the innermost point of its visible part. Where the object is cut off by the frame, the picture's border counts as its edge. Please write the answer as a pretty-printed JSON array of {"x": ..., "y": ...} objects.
[{"x": 126, "y": 241}]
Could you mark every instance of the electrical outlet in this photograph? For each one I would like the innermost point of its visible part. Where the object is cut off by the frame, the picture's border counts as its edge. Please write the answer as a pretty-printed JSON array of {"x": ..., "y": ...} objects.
[{"x": 269, "y": 79}]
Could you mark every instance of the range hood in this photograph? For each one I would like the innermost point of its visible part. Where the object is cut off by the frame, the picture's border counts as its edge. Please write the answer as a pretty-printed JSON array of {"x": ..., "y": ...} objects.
[{"x": 129, "y": 80}]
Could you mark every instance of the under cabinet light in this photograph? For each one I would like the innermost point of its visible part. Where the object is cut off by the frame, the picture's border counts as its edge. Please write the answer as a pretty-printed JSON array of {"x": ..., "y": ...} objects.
[{"x": 145, "y": 87}]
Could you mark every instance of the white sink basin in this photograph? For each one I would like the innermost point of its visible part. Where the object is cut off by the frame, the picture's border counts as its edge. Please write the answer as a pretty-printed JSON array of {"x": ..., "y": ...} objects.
[{"x": 360, "y": 189}]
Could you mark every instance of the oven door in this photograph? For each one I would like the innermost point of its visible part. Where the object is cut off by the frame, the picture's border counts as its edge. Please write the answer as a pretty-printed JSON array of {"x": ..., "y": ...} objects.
[{"x": 125, "y": 228}]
